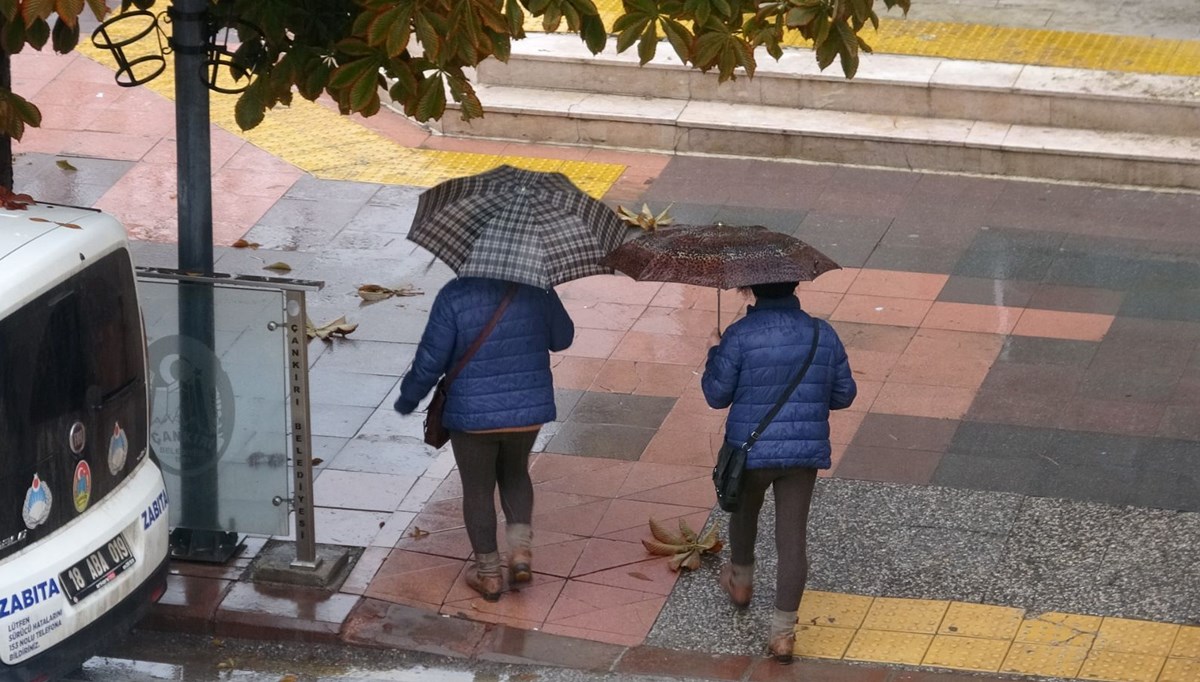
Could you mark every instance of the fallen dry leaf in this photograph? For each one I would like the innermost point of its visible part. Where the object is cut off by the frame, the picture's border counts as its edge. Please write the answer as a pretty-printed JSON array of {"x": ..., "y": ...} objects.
[
  {"x": 278, "y": 266},
  {"x": 372, "y": 293},
  {"x": 684, "y": 548},
  {"x": 317, "y": 461},
  {"x": 14, "y": 202},
  {"x": 288, "y": 678},
  {"x": 227, "y": 664},
  {"x": 338, "y": 327},
  {"x": 65, "y": 165},
  {"x": 417, "y": 532},
  {"x": 243, "y": 244},
  {"x": 645, "y": 219}
]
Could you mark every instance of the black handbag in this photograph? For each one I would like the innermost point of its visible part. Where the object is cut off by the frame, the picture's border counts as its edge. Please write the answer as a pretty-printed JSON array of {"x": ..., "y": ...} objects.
[
  {"x": 729, "y": 473},
  {"x": 435, "y": 433}
]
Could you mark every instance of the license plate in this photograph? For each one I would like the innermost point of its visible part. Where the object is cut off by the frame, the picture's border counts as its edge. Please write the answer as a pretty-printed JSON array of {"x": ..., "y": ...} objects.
[{"x": 96, "y": 569}]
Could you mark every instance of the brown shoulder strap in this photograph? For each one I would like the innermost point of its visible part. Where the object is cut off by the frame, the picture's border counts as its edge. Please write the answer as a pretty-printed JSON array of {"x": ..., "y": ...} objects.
[{"x": 508, "y": 297}]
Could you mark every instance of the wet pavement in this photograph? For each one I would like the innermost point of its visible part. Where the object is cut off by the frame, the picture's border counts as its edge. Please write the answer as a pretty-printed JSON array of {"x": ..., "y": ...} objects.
[{"x": 1025, "y": 437}]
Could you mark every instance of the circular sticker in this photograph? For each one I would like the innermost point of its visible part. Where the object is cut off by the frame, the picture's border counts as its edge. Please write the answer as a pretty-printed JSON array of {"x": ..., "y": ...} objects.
[
  {"x": 118, "y": 449},
  {"x": 81, "y": 486},
  {"x": 77, "y": 437},
  {"x": 38, "y": 501}
]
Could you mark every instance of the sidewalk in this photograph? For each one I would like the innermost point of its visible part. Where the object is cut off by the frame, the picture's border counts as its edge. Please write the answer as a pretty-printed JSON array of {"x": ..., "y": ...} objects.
[{"x": 1014, "y": 489}]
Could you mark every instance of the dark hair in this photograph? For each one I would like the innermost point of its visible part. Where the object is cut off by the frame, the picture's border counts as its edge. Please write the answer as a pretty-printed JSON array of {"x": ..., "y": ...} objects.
[{"x": 771, "y": 290}]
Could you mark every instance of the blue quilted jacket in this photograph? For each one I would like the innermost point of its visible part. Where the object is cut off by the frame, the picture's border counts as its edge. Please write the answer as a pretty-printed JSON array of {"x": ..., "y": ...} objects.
[
  {"x": 757, "y": 358},
  {"x": 507, "y": 383}
]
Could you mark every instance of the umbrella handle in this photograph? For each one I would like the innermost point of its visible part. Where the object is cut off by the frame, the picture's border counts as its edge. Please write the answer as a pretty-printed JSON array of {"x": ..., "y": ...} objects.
[{"x": 718, "y": 312}]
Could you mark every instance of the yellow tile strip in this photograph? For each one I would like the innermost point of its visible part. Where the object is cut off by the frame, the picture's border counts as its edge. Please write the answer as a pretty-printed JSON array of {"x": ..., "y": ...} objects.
[
  {"x": 986, "y": 638},
  {"x": 345, "y": 150},
  {"x": 1017, "y": 45}
]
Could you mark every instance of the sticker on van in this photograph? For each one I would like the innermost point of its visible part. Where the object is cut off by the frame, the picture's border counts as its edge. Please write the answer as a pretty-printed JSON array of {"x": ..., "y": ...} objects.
[
  {"x": 28, "y": 597},
  {"x": 81, "y": 486},
  {"x": 118, "y": 449},
  {"x": 38, "y": 499}
]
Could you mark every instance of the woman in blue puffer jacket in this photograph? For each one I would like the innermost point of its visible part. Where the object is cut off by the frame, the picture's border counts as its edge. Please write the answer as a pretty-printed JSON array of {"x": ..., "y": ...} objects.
[
  {"x": 494, "y": 408},
  {"x": 756, "y": 361}
]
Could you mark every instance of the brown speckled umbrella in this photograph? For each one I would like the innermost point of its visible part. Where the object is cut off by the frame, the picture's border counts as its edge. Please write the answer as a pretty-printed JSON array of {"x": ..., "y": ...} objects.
[{"x": 721, "y": 256}]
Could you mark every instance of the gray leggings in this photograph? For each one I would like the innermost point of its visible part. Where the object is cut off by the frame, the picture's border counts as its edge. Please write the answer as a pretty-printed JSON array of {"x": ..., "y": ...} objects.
[
  {"x": 793, "y": 495},
  {"x": 485, "y": 460}
]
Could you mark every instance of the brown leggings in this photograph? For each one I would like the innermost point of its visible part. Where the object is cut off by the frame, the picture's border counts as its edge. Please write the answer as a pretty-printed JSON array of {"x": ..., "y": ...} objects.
[
  {"x": 485, "y": 460},
  {"x": 793, "y": 495}
]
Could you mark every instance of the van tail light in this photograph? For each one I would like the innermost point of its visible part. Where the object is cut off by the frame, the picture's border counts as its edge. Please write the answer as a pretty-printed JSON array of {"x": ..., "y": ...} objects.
[{"x": 158, "y": 592}]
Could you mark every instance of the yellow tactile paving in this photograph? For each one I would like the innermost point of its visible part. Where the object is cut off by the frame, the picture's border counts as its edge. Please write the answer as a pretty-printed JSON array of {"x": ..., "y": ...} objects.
[
  {"x": 967, "y": 653},
  {"x": 1046, "y": 660},
  {"x": 830, "y": 609},
  {"x": 1180, "y": 670},
  {"x": 879, "y": 646},
  {"x": 981, "y": 620},
  {"x": 905, "y": 615},
  {"x": 1059, "y": 629},
  {"x": 823, "y": 642},
  {"x": 345, "y": 150},
  {"x": 1187, "y": 642},
  {"x": 1135, "y": 636},
  {"x": 1118, "y": 666}
]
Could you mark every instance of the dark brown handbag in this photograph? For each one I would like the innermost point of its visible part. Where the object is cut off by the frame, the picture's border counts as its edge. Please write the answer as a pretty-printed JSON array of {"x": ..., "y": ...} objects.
[{"x": 436, "y": 434}]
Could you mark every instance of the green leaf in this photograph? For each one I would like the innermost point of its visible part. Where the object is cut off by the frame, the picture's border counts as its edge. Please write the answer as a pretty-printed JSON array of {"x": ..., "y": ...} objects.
[
  {"x": 595, "y": 36},
  {"x": 679, "y": 37},
  {"x": 648, "y": 44},
  {"x": 36, "y": 9},
  {"x": 828, "y": 50},
  {"x": 99, "y": 8},
  {"x": 630, "y": 35},
  {"x": 346, "y": 75},
  {"x": 848, "y": 50},
  {"x": 12, "y": 37},
  {"x": 363, "y": 90},
  {"x": 354, "y": 47},
  {"x": 801, "y": 16},
  {"x": 251, "y": 106},
  {"x": 516, "y": 19},
  {"x": 25, "y": 110},
  {"x": 432, "y": 98},
  {"x": 428, "y": 36},
  {"x": 9, "y": 8},
  {"x": 65, "y": 36},
  {"x": 708, "y": 47},
  {"x": 37, "y": 34},
  {"x": 315, "y": 79}
]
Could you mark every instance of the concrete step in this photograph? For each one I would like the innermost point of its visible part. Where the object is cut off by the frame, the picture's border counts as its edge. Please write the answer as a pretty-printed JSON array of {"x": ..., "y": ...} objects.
[
  {"x": 885, "y": 84},
  {"x": 899, "y": 112}
]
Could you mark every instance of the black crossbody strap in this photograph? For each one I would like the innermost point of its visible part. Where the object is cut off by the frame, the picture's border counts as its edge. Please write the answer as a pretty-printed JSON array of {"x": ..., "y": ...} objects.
[{"x": 812, "y": 352}]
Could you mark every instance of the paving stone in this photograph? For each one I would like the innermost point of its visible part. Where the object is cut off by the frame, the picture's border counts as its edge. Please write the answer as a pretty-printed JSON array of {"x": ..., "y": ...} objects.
[
  {"x": 1043, "y": 351},
  {"x": 621, "y": 409},
  {"x": 985, "y": 291},
  {"x": 613, "y": 441}
]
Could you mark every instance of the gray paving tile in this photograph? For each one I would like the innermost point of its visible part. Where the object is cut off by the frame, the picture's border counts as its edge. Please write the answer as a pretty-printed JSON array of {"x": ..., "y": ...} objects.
[
  {"x": 565, "y": 400},
  {"x": 385, "y": 218},
  {"x": 995, "y": 473},
  {"x": 984, "y": 291},
  {"x": 837, "y": 227},
  {"x": 1091, "y": 269},
  {"x": 384, "y": 454},
  {"x": 922, "y": 506},
  {"x": 612, "y": 441},
  {"x": 621, "y": 409},
  {"x": 1038, "y": 350},
  {"x": 937, "y": 259},
  {"x": 1022, "y": 263},
  {"x": 341, "y": 421},
  {"x": 777, "y": 219},
  {"x": 1163, "y": 304},
  {"x": 683, "y": 213},
  {"x": 39, "y": 176},
  {"x": 981, "y": 439},
  {"x": 349, "y": 388},
  {"x": 366, "y": 357},
  {"x": 1076, "y": 299},
  {"x": 1058, "y": 381},
  {"x": 311, "y": 188},
  {"x": 396, "y": 196},
  {"x": 905, "y": 433},
  {"x": 1138, "y": 383}
]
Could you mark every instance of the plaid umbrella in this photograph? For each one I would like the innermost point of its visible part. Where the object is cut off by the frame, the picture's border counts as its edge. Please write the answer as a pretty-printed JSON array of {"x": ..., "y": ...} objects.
[{"x": 516, "y": 225}]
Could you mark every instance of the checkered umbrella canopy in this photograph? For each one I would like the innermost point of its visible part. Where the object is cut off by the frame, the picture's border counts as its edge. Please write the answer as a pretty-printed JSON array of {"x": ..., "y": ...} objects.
[{"x": 516, "y": 225}]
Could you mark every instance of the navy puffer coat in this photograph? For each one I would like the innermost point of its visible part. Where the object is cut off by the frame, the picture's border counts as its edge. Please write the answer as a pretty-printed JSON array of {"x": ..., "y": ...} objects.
[
  {"x": 507, "y": 383},
  {"x": 757, "y": 358}
]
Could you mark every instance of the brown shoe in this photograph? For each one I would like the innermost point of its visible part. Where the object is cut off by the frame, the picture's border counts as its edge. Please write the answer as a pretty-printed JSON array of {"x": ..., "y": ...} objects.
[
  {"x": 739, "y": 595},
  {"x": 490, "y": 586},
  {"x": 782, "y": 648},
  {"x": 519, "y": 561}
]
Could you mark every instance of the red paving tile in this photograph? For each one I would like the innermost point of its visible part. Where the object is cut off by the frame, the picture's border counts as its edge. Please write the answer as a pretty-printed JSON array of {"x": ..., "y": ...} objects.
[
  {"x": 646, "y": 476},
  {"x": 969, "y": 317},
  {"x": 684, "y": 418},
  {"x": 581, "y": 520},
  {"x": 623, "y": 514},
  {"x": 451, "y": 543},
  {"x": 697, "y": 492},
  {"x": 870, "y": 365},
  {"x": 874, "y": 337},
  {"x": 1117, "y": 416},
  {"x": 916, "y": 400},
  {"x": 868, "y": 391},
  {"x": 587, "y": 481},
  {"x": 549, "y": 467},
  {"x": 665, "y": 348},
  {"x": 364, "y": 570},
  {"x": 819, "y": 303},
  {"x": 531, "y": 603},
  {"x": 643, "y": 378},
  {"x": 558, "y": 558},
  {"x": 902, "y": 312},
  {"x": 695, "y": 521},
  {"x": 603, "y": 315},
  {"x": 836, "y": 452},
  {"x": 593, "y": 635},
  {"x": 843, "y": 424},
  {"x": 918, "y": 285},
  {"x": 414, "y": 578},
  {"x": 651, "y": 575},
  {"x": 601, "y": 554},
  {"x": 1063, "y": 325},
  {"x": 834, "y": 281},
  {"x": 594, "y": 343},
  {"x": 682, "y": 321},
  {"x": 610, "y": 288},
  {"x": 631, "y": 620},
  {"x": 574, "y": 372}
]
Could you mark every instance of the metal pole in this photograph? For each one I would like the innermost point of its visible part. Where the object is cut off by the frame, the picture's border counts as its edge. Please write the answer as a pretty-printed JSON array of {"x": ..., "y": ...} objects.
[
  {"x": 200, "y": 539},
  {"x": 302, "y": 499}
]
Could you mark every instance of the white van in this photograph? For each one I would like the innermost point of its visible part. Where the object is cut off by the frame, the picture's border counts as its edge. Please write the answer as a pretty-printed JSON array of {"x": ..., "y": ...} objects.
[{"x": 83, "y": 523}]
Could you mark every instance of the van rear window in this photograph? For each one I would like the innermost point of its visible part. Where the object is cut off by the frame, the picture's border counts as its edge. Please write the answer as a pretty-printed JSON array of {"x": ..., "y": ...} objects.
[{"x": 73, "y": 369}]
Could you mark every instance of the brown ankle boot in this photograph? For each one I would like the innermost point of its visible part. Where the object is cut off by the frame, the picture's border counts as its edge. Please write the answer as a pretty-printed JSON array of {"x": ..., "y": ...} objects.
[
  {"x": 739, "y": 595},
  {"x": 519, "y": 561},
  {"x": 490, "y": 586},
  {"x": 782, "y": 647}
]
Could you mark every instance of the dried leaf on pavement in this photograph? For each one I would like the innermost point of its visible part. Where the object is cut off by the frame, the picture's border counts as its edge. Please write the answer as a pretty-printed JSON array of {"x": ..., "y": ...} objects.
[
  {"x": 645, "y": 219},
  {"x": 325, "y": 332},
  {"x": 14, "y": 202},
  {"x": 278, "y": 266},
  {"x": 684, "y": 548},
  {"x": 417, "y": 532},
  {"x": 65, "y": 165},
  {"x": 243, "y": 244},
  {"x": 370, "y": 293}
]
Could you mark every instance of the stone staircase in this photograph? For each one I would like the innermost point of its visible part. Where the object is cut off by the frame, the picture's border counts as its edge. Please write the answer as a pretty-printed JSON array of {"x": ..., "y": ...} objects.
[{"x": 899, "y": 112}]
